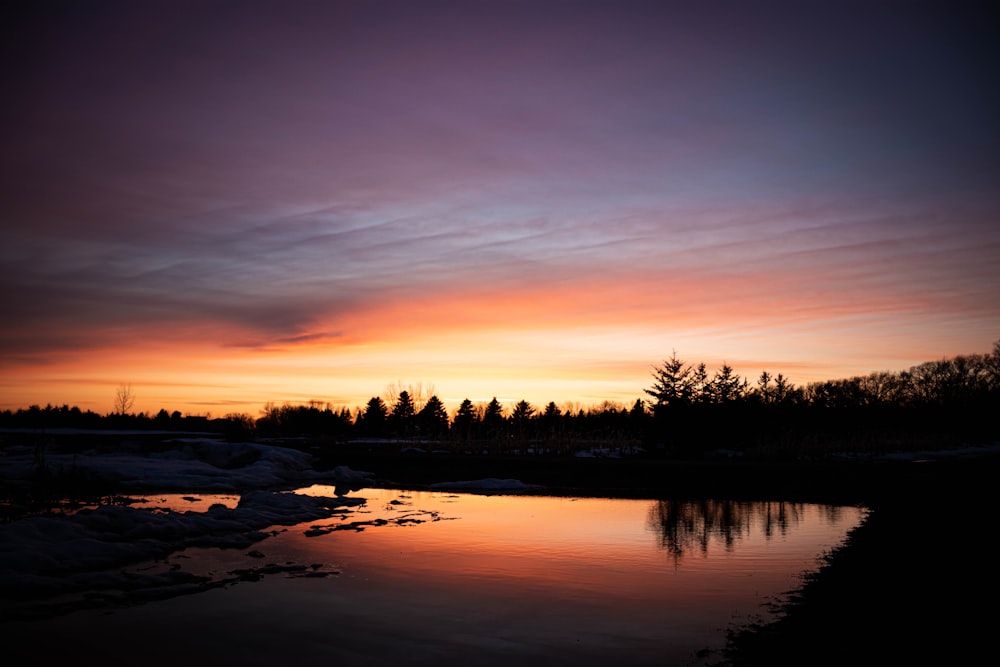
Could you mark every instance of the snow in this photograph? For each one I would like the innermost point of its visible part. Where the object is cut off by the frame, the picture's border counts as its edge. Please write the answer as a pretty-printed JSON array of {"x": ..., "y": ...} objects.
[
  {"x": 48, "y": 556},
  {"x": 201, "y": 464},
  {"x": 56, "y": 553}
]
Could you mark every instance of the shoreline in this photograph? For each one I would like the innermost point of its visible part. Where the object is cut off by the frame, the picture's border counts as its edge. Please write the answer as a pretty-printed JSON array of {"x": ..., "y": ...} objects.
[
  {"x": 913, "y": 584},
  {"x": 845, "y": 482},
  {"x": 907, "y": 586}
]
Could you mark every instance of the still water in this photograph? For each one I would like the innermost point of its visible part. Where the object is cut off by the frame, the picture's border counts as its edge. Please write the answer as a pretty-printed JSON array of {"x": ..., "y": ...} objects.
[{"x": 464, "y": 579}]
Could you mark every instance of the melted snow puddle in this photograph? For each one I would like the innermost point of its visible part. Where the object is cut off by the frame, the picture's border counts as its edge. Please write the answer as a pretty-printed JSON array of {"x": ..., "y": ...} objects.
[{"x": 184, "y": 502}]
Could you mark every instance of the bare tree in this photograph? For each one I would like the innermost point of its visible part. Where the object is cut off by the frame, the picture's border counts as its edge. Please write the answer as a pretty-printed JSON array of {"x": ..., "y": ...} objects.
[
  {"x": 418, "y": 393},
  {"x": 124, "y": 399}
]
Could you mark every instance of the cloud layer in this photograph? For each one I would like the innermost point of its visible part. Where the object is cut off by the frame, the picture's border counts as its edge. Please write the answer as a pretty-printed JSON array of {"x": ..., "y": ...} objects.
[{"x": 388, "y": 189}]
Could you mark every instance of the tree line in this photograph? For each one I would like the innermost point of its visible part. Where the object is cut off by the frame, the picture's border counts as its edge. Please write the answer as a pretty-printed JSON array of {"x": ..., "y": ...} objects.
[
  {"x": 947, "y": 402},
  {"x": 688, "y": 411}
]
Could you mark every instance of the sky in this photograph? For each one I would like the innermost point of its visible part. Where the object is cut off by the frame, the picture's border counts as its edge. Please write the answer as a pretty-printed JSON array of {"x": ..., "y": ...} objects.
[{"x": 229, "y": 204}]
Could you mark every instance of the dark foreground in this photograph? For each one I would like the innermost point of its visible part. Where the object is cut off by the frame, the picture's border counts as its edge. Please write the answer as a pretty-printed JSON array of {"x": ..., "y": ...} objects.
[{"x": 915, "y": 584}]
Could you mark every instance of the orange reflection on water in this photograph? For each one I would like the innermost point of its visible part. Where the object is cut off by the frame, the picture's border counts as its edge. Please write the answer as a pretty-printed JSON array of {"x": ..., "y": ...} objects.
[
  {"x": 458, "y": 578},
  {"x": 629, "y": 553}
]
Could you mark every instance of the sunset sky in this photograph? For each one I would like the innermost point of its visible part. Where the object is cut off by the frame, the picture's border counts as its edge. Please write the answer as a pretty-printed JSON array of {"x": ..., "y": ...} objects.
[{"x": 226, "y": 204}]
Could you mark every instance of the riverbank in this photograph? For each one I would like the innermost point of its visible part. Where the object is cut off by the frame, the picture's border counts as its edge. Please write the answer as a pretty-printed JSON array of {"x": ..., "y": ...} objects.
[
  {"x": 843, "y": 481},
  {"x": 915, "y": 584}
]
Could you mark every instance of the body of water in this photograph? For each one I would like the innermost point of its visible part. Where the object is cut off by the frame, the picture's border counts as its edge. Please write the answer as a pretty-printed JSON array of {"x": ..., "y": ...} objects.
[{"x": 422, "y": 578}]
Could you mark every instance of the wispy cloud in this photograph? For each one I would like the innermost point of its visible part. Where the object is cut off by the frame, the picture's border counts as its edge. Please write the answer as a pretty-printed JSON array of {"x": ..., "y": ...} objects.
[{"x": 361, "y": 181}]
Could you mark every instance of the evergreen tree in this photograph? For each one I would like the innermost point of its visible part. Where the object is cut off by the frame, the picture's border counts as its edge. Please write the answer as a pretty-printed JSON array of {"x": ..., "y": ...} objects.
[
  {"x": 520, "y": 420},
  {"x": 673, "y": 383},
  {"x": 493, "y": 420},
  {"x": 701, "y": 388},
  {"x": 465, "y": 422},
  {"x": 433, "y": 418},
  {"x": 764, "y": 391},
  {"x": 551, "y": 421},
  {"x": 727, "y": 386},
  {"x": 372, "y": 422},
  {"x": 784, "y": 391},
  {"x": 522, "y": 412},
  {"x": 402, "y": 416}
]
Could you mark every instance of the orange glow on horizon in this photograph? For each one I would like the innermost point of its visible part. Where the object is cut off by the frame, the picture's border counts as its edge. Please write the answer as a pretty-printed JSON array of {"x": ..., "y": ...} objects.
[
  {"x": 579, "y": 344},
  {"x": 565, "y": 365}
]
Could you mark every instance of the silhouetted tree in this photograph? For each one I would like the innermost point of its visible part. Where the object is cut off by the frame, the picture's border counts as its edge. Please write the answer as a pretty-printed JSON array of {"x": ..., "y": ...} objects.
[
  {"x": 493, "y": 421},
  {"x": 701, "y": 387},
  {"x": 466, "y": 420},
  {"x": 726, "y": 386},
  {"x": 785, "y": 391},
  {"x": 638, "y": 420},
  {"x": 522, "y": 412},
  {"x": 238, "y": 426},
  {"x": 373, "y": 422},
  {"x": 418, "y": 392},
  {"x": 124, "y": 400},
  {"x": 402, "y": 416},
  {"x": 520, "y": 420},
  {"x": 764, "y": 391},
  {"x": 314, "y": 419},
  {"x": 672, "y": 383},
  {"x": 433, "y": 418},
  {"x": 551, "y": 422}
]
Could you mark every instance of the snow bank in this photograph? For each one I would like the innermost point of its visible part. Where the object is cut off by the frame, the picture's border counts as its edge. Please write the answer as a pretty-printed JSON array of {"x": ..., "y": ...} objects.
[
  {"x": 195, "y": 465},
  {"x": 58, "y": 556},
  {"x": 53, "y": 554}
]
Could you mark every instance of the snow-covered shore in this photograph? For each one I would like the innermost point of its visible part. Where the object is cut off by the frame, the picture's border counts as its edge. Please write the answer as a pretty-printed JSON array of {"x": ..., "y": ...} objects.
[
  {"x": 190, "y": 464},
  {"x": 45, "y": 558}
]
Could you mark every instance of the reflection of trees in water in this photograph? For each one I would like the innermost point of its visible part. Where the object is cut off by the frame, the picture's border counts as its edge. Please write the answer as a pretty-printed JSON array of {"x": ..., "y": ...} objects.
[{"x": 685, "y": 526}]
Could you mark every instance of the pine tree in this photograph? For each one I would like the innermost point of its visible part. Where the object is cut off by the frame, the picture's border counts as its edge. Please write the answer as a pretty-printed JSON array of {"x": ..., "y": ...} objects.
[
  {"x": 465, "y": 422},
  {"x": 402, "y": 416},
  {"x": 493, "y": 421},
  {"x": 372, "y": 422},
  {"x": 520, "y": 420},
  {"x": 726, "y": 385},
  {"x": 672, "y": 383},
  {"x": 433, "y": 418}
]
